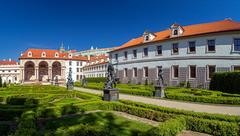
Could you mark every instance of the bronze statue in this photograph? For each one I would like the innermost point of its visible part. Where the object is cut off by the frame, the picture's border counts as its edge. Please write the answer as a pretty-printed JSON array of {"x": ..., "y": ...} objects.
[
  {"x": 111, "y": 79},
  {"x": 160, "y": 80},
  {"x": 70, "y": 80}
]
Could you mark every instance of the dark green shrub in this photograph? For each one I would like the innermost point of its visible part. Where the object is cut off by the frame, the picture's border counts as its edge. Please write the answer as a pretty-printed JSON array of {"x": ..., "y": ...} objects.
[
  {"x": 96, "y": 80},
  {"x": 21, "y": 100},
  {"x": 226, "y": 82},
  {"x": 188, "y": 85},
  {"x": 216, "y": 128},
  {"x": 4, "y": 130},
  {"x": 169, "y": 128},
  {"x": 4, "y": 84}
]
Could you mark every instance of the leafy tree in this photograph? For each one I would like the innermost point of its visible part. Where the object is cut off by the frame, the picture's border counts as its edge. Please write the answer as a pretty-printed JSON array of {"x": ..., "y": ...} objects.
[{"x": 1, "y": 81}]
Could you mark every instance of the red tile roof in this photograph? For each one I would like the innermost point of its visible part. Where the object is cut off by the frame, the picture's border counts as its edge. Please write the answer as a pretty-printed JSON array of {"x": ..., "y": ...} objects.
[
  {"x": 191, "y": 30},
  {"x": 97, "y": 60},
  {"x": 8, "y": 62},
  {"x": 50, "y": 54}
]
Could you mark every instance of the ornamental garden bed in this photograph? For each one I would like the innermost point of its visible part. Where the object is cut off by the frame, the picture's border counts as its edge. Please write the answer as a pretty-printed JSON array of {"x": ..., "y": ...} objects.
[
  {"x": 175, "y": 93},
  {"x": 66, "y": 115}
]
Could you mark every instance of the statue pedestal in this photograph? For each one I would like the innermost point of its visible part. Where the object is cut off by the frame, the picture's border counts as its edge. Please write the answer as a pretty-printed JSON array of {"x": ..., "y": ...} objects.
[
  {"x": 111, "y": 94},
  {"x": 159, "y": 91}
]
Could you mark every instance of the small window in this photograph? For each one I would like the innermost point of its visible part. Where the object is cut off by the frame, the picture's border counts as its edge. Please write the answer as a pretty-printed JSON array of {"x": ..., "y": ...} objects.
[
  {"x": 211, "y": 69},
  {"x": 134, "y": 72},
  {"x": 145, "y": 71},
  {"x": 134, "y": 53},
  {"x": 43, "y": 54},
  {"x": 175, "y": 72},
  {"x": 211, "y": 45},
  {"x": 159, "y": 50},
  {"x": 125, "y": 72},
  {"x": 116, "y": 57},
  {"x": 9, "y": 71},
  {"x": 192, "y": 71},
  {"x": 77, "y": 63},
  {"x": 175, "y": 32},
  {"x": 70, "y": 63},
  {"x": 236, "y": 68},
  {"x": 192, "y": 47},
  {"x": 175, "y": 48},
  {"x": 147, "y": 38},
  {"x": 237, "y": 44},
  {"x": 145, "y": 52},
  {"x": 77, "y": 69},
  {"x": 125, "y": 54},
  {"x": 56, "y": 54},
  {"x": 29, "y": 54}
]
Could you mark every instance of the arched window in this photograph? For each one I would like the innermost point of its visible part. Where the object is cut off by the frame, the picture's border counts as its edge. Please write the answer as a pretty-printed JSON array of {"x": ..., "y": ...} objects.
[{"x": 175, "y": 32}]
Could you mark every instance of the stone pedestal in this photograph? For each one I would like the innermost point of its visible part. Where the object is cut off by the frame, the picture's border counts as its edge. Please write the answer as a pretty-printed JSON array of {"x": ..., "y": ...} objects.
[
  {"x": 111, "y": 94},
  {"x": 159, "y": 91}
]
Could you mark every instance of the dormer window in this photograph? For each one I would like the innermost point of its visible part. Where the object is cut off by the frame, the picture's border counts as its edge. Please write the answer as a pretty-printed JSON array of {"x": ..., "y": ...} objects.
[
  {"x": 176, "y": 30},
  {"x": 148, "y": 36},
  {"x": 70, "y": 55},
  {"x": 30, "y": 54},
  {"x": 43, "y": 54},
  {"x": 56, "y": 55}
]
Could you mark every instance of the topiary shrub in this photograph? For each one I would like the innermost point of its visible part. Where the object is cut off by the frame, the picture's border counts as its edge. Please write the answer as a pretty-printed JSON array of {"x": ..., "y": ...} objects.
[
  {"x": 226, "y": 82},
  {"x": 4, "y": 84},
  {"x": 1, "y": 85},
  {"x": 96, "y": 80}
]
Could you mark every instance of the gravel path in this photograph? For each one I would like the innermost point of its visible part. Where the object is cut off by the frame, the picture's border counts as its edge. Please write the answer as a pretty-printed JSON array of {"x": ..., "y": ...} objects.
[{"x": 208, "y": 108}]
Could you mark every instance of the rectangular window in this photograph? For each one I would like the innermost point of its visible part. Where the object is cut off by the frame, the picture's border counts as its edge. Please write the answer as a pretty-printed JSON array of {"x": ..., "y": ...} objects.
[
  {"x": 80, "y": 63},
  {"x": 192, "y": 71},
  {"x": 77, "y": 63},
  {"x": 77, "y": 77},
  {"x": 236, "y": 68},
  {"x": 145, "y": 71},
  {"x": 125, "y": 72},
  {"x": 70, "y": 63},
  {"x": 159, "y": 50},
  {"x": 125, "y": 54},
  {"x": 134, "y": 53},
  {"x": 192, "y": 47},
  {"x": 175, "y": 48},
  {"x": 77, "y": 69},
  {"x": 237, "y": 44},
  {"x": 145, "y": 52},
  {"x": 134, "y": 72},
  {"x": 210, "y": 71},
  {"x": 116, "y": 57},
  {"x": 175, "y": 71},
  {"x": 211, "y": 45}
]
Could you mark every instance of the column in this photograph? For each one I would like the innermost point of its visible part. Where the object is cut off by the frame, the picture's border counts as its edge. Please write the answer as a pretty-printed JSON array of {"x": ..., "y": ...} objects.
[
  {"x": 22, "y": 75},
  {"x": 36, "y": 74},
  {"x": 63, "y": 73},
  {"x": 50, "y": 73}
]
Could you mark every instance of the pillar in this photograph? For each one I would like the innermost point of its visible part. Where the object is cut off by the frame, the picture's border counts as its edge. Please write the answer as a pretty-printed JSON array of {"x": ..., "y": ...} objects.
[
  {"x": 36, "y": 73},
  {"x": 50, "y": 73}
]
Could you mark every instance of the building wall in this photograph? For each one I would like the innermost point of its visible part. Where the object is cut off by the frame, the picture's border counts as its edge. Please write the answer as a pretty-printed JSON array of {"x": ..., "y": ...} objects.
[
  {"x": 98, "y": 70},
  {"x": 10, "y": 73},
  {"x": 75, "y": 65},
  {"x": 224, "y": 58}
]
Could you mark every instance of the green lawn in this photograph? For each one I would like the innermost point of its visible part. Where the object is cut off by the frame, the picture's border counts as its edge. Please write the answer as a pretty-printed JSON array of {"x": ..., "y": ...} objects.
[{"x": 103, "y": 122}]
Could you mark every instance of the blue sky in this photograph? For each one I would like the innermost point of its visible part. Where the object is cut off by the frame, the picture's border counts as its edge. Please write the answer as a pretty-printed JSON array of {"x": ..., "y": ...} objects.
[{"x": 81, "y": 24}]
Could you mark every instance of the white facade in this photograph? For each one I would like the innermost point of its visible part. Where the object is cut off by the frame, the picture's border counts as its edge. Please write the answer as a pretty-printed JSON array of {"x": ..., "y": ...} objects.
[
  {"x": 224, "y": 58},
  {"x": 10, "y": 73},
  {"x": 77, "y": 69}
]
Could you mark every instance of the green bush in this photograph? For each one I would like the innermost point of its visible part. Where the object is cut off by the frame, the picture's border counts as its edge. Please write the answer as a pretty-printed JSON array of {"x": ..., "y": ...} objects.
[
  {"x": 96, "y": 80},
  {"x": 21, "y": 100},
  {"x": 226, "y": 82},
  {"x": 4, "y": 129},
  {"x": 1, "y": 82},
  {"x": 216, "y": 128},
  {"x": 169, "y": 128}
]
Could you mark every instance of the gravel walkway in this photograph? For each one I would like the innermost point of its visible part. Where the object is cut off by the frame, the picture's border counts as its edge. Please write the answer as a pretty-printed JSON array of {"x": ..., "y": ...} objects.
[{"x": 208, "y": 108}]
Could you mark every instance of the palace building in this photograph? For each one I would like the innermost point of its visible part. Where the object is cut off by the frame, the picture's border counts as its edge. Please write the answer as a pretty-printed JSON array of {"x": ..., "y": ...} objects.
[
  {"x": 185, "y": 53},
  {"x": 96, "y": 66},
  {"x": 9, "y": 71},
  {"x": 44, "y": 65}
]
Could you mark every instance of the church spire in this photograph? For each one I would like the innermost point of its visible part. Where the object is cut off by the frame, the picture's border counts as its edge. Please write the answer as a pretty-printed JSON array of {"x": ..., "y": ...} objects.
[{"x": 62, "y": 49}]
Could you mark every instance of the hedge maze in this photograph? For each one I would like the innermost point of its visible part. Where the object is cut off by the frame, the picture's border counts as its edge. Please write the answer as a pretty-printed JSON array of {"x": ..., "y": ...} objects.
[{"x": 50, "y": 110}]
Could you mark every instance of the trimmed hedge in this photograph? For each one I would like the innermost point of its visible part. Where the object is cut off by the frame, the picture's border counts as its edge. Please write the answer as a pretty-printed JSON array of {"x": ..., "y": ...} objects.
[
  {"x": 226, "y": 82},
  {"x": 169, "y": 128},
  {"x": 96, "y": 79}
]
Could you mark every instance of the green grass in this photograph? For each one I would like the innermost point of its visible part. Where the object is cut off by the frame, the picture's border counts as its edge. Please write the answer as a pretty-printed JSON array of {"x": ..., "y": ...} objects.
[{"x": 112, "y": 124}]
